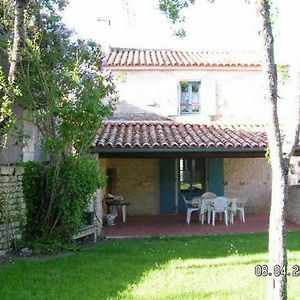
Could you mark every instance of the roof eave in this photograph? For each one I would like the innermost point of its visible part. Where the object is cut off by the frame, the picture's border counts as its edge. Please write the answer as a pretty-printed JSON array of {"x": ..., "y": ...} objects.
[
  {"x": 178, "y": 152},
  {"x": 166, "y": 68}
]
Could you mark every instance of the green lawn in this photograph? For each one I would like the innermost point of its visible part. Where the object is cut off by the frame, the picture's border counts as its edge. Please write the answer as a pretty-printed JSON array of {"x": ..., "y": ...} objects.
[{"x": 212, "y": 267}]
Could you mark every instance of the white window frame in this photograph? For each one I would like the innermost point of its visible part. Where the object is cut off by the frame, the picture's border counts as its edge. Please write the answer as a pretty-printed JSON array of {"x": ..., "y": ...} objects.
[{"x": 190, "y": 111}]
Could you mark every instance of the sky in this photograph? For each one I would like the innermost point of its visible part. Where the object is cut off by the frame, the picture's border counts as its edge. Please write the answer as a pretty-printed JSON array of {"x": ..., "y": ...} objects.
[{"x": 225, "y": 24}]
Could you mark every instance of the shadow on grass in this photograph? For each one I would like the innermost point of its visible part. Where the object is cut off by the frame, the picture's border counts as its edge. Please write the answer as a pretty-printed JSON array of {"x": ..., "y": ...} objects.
[{"x": 105, "y": 271}]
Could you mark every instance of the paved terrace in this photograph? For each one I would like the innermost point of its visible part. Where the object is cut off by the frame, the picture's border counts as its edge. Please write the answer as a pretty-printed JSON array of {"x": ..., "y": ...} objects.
[{"x": 175, "y": 225}]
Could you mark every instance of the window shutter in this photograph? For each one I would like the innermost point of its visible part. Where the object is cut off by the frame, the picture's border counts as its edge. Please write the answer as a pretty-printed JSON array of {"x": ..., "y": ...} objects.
[
  {"x": 216, "y": 176},
  {"x": 208, "y": 99},
  {"x": 167, "y": 170}
]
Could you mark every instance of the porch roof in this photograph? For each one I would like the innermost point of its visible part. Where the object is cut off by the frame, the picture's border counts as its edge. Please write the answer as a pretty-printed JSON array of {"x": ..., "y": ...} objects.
[{"x": 156, "y": 138}]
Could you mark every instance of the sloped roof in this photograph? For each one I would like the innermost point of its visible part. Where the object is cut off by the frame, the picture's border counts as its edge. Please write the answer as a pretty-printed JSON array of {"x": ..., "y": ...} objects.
[
  {"x": 167, "y": 58},
  {"x": 170, "y": 135}
]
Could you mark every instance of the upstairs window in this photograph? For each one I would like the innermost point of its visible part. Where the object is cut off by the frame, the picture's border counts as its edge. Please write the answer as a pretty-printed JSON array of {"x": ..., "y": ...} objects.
[{"x": 190, "y": 97}]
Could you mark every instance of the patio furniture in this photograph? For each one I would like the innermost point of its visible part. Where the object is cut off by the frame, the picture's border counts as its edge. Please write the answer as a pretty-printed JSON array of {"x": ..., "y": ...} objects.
[
  {"x": 237, "y": 206},
  {"x": 206, "y": 199},
  {"x": 219, "y": 205},
  {"x": 190, "y": 207},
  {"x": 116, "y": 202}
]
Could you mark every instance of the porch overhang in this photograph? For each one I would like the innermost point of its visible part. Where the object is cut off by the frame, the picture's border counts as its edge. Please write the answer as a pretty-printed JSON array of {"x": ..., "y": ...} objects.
[{"x": 157, "y": 139}]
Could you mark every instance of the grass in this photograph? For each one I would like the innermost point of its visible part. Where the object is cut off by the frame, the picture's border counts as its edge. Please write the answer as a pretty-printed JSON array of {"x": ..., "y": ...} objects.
[{"x": 212, "y": 267}]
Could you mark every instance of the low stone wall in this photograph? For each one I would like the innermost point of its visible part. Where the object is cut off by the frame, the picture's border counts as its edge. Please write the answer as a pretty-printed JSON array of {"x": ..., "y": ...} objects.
[
  {"x": 12, "y": 206},
  {"x": 293, "y": 207}
]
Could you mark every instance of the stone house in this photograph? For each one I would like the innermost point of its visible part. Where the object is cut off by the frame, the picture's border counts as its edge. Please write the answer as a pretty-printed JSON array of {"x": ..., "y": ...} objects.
[{"x": 187, "y": 122}]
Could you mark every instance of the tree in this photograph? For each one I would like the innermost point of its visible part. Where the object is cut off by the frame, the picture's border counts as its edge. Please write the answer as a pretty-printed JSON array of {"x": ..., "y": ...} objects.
[
  {"x": 7, "y": 85},
  {"x": 65, "y": 94},
  {"x": 20, "y": 6},
  {"x": 282, "y": 142}
]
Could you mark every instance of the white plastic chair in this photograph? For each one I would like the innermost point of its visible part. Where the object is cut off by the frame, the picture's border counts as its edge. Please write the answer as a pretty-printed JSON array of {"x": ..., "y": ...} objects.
[
  {"x": 205, "y": 206},
  {"x": 219, "y": 205},
  {"x": 190, "y": 207},
  {"x": 239, "y": 207}
]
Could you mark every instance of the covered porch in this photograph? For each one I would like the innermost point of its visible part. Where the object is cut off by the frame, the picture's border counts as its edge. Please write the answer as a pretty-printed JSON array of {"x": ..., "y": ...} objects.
[
  {"x": 175, "y": 225},
  {"x": 153, "y": 164}
]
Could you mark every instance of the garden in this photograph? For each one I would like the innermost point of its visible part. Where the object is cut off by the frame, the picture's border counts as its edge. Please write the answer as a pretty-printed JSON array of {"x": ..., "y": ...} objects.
[{"x": 206, "y": 267}]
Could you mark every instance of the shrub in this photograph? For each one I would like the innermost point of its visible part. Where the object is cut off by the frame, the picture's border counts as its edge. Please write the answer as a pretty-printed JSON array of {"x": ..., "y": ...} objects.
[{"x": 57, "y": 196}]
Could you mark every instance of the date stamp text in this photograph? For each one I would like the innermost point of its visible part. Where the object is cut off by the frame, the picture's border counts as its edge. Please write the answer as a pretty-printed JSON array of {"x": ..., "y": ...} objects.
[{"x": 277, "y": 270}]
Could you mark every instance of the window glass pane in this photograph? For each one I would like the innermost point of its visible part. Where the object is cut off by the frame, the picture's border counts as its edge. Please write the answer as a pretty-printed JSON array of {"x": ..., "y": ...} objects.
[
  {"x": 198, "y": 174},
  {"x": 195, "y": 102},
  {"x": 184, "y": 87},
  {"x": 185, "y": 175},
  {"x": 189, "y": 98},
  {"x": 192, "y": 176},
  {"x": 195, "y": 87},
  {"x": 184, "y": 99}
]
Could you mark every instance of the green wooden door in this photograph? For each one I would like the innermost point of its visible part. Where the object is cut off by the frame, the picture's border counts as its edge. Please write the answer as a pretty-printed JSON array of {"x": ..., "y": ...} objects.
[
  {"x": 216, "y": 176},
  {"x": 167, "y": 173}
]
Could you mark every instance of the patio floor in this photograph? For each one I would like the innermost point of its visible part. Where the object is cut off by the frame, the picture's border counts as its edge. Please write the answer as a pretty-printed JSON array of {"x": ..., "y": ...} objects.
[{"x": 175, "y": 225}]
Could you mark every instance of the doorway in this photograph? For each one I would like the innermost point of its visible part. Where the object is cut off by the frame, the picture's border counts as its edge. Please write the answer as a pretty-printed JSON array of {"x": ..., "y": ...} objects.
[{"x": 191, "y": 179}]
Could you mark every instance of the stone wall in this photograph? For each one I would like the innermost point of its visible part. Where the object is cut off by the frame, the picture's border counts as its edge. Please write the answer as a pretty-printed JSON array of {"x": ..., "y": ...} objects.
[
  {"x": 293, "y": 207},
  {"x": 250, "y": 177},
  {"x": 12, "y": 206},
  {"x": 158, "y": 92},
  {"x": 137, "y": 180}
]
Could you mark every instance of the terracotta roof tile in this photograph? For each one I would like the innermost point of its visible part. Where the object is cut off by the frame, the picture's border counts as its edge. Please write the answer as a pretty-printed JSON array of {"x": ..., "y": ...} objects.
[
  {"x": 127, "y": 57},
  {"x": 167, "y": 134}
]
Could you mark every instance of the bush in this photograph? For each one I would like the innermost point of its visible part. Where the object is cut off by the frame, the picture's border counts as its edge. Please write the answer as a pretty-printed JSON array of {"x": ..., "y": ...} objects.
[
  {"x": 32, "y": 180},
  {"x": 50, "y": 246},
  {"x": 57, "y": 196}
]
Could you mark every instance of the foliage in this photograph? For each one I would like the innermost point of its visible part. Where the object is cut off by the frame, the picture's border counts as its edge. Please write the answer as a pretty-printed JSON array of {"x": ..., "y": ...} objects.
[
  {"x": 50, "y": 246},
  {"x": 65, "y": 93},
  {"x": 283, "y": 72},
  {"x": 59, "y": 213},
  {"x": 207, "y": 267},
  {"x": 5, "y": 102},
  {"x": 32, "y": 180},
  {"x": 173, "y": 10},
  {"x": 9, "y": 58},
  {"x": 61, "y": 83},
  {"x": 63, "y": 86},
  {"x": 7, "y": 118},
  {"x": 82, "y": 180}
]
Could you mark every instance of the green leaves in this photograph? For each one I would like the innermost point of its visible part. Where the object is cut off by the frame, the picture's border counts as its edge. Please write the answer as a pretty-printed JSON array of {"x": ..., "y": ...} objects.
[
  {"x": 57, "y": 196},
  {"x": 63, "y": 84},
  {"x": 172, "y": 8},
  {"x": 8, "y": 92}
]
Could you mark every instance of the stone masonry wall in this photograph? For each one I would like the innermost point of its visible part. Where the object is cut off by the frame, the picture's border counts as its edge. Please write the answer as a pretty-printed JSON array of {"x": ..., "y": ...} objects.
[
  {"x": 250, "y": 177},
  {"x": 138, "y": 182},
  {"x": 293, "y": 207},
  {"x": 12, "y": 206}
]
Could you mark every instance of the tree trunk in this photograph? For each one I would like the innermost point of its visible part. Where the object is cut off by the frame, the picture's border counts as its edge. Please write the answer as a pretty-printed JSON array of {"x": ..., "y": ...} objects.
[
  {"x": 18, "y": 38},
  {"x": 14, "y": 57},
  {"x": 279, "y": 165}
]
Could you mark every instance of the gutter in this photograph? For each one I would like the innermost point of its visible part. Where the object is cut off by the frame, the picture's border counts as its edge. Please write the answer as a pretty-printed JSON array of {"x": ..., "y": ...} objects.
[{"x": 167, "y": 152}]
